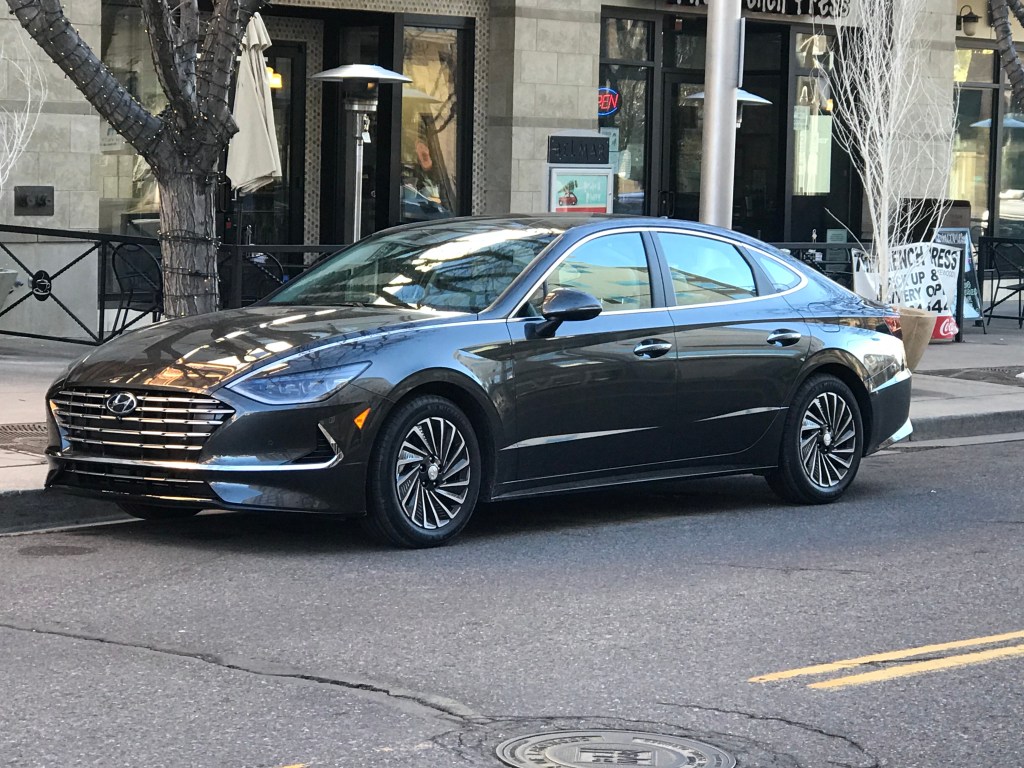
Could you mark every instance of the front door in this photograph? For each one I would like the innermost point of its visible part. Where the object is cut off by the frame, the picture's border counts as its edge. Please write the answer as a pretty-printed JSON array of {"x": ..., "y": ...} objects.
[{"x": 599, "y": 394}]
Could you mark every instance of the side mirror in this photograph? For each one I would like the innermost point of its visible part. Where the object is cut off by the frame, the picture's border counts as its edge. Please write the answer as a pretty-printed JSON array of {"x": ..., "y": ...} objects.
[{"x": 565, "y": 304}]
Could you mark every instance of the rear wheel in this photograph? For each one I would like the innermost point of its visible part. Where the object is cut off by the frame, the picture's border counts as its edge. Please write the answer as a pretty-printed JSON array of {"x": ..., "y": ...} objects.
[
  {"x": 156, "y": 511},
  {"x": 822, "y": 443},
  {"x": 424, "y": 474}
]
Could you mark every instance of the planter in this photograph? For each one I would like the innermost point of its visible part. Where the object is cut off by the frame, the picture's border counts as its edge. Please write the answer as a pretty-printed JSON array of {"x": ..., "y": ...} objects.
[
  {"x": 7, "y": 278},
  {"x": 917, "y": 325}
]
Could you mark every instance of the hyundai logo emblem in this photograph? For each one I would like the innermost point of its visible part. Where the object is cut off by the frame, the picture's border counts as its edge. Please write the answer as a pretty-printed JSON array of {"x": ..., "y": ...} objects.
[{"x": 121, "y": 403}]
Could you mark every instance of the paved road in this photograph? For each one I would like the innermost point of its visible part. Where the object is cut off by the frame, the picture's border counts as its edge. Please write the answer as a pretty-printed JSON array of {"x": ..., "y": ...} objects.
[{"x": 240, "y": 641}]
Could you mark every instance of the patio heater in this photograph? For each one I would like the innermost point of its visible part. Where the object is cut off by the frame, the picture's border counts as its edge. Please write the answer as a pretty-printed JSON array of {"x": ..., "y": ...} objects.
[{"x": 357, "y": 128}]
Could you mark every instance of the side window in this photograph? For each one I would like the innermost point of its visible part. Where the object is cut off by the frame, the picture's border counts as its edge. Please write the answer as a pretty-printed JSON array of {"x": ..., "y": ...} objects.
[
  {"x": 781, "y": 278},
  {"x": 613, "y": 268},
  {"x": 706, "y": 271}
]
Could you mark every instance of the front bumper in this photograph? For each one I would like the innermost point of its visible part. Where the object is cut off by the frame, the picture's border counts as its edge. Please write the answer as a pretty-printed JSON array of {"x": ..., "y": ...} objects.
[
  {"x": 309, "y": 458},
  {"x": 890, "y": 410}
]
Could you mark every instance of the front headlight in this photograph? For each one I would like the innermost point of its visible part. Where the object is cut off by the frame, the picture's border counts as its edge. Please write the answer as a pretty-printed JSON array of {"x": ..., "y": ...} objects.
[{"x": 275, "y": 385}]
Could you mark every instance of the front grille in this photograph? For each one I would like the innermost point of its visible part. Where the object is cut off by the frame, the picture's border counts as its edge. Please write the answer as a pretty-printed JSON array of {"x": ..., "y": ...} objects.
[
  {"x": 166, "y": 425},
  {"x": 154, "y": 482}
]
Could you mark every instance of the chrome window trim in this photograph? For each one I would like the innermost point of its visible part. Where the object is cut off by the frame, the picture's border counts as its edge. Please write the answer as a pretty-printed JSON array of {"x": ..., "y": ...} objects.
[{"x": 655, "y": 229}]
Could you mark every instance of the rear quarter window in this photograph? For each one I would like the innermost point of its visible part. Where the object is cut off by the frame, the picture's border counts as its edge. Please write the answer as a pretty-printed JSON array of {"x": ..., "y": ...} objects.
[{"x": 781, "y": 277}]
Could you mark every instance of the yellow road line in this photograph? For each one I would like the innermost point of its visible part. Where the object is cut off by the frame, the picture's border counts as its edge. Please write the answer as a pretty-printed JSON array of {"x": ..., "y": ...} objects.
[
  {"x": 835, "y": 666},
  {"x": 917, "y": 668}
]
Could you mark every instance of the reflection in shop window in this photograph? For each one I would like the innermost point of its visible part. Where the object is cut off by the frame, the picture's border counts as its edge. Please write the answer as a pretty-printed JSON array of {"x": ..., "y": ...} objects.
[
  {"x": 430, "y": 109},
  {"x": 812, "y": 118},
  {"x": 624, "y": 121},
  {"x": 129, "y": 199}
]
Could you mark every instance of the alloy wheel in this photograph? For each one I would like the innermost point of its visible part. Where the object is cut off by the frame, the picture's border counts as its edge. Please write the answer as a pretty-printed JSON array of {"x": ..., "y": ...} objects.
[
  {"x": 432, "y": 473},
  {"x": 828, "y": 439}
]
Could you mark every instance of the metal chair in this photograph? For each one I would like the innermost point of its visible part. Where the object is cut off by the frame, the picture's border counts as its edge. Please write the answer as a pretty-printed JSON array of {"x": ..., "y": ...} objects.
[
  {"x": 1001, "y": 260},
  {"x": 140, "y": 284}
]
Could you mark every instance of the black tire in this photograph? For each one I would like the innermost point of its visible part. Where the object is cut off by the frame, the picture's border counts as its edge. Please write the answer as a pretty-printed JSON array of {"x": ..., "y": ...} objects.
[
  {"x": 822, "y": 443},
  {"x": 156, "y": 511},
  {"x": 424, "y": 474}
]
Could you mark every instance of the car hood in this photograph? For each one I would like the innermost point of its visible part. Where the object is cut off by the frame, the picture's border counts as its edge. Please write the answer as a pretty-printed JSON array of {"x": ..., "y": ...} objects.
[{"x": 201, "y": 352}]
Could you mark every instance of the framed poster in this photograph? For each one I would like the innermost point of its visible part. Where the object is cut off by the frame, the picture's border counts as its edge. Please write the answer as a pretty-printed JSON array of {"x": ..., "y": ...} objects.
[{"x": 580, "y": 190}]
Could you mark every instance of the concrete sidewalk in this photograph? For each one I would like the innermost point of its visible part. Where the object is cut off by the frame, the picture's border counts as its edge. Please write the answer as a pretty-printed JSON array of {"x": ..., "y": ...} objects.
[{"x": 960, "y": 390}]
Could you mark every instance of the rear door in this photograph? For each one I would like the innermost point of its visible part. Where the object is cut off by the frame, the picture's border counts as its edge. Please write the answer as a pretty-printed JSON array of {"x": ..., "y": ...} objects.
[{"x": 739, "y": 345}]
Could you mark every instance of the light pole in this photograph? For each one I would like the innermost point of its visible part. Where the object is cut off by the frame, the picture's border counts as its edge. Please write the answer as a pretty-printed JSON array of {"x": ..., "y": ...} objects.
[
  {"x": 356, "y": 131},
  {"x": 721, "y": 82}
]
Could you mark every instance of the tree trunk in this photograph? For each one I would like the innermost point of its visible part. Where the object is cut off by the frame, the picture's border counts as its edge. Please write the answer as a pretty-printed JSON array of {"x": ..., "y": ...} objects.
[{"x": 188, "y": 243}]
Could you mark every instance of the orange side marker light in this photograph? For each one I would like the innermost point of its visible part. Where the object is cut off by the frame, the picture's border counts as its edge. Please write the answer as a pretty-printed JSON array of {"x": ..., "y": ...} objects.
[{"x": 361, "y": 418}]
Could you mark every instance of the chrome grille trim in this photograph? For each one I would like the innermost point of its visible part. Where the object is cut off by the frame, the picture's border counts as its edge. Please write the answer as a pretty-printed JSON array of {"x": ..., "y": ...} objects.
[{"x": 165, "y": 425}]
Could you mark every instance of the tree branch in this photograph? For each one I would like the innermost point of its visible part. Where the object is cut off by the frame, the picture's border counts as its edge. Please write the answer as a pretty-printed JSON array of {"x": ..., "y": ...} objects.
[
  {"x": 216, "y": 68},
  {"x": 1008, "y": 57},
  {"x": 50, "y": 28},
  {"x": 170, "y": 53}
]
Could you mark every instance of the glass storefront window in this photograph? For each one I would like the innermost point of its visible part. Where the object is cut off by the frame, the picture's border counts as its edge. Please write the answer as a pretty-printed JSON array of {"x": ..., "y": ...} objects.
[
  {"x": 969, "y": 176},
  {"x": 430, "y": 111},
  {"x": 626, "y": 128},
  {"x": 686, "y": 44},
  {"x": 974, "y": 65},
  {"x": 1011, "y": 173},
  {"x": 129, "y": 200},
  {"x": 626, "y": 39},
  {"x": 812, "y": 136}
]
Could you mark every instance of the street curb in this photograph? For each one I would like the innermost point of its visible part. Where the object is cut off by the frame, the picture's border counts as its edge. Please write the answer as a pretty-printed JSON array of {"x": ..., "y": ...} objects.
[
  {"x": 39, "y": 509},
  {"x": 966, "y": 425}
]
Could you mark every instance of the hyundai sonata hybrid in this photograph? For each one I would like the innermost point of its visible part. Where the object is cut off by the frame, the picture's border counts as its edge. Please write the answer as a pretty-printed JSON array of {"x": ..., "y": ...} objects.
[{"x": 436, "y": 365}]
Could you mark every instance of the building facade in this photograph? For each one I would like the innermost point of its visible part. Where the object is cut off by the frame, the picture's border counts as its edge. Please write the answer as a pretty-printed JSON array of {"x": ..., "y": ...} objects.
[{"x": 492, "y": 81}]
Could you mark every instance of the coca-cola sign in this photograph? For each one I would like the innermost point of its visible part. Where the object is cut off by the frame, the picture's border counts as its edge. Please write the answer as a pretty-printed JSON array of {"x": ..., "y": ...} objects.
[{"x": 829, "y": 9}]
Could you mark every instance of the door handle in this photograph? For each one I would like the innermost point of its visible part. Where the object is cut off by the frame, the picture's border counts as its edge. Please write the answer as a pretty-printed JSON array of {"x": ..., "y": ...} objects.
[
  {"x": 783, "y": 337},
  {"x": 651, "y": 348}
]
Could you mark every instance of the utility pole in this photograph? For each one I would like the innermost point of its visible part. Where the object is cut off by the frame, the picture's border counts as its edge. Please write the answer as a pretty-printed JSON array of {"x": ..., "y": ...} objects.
[{"x": 721, "y": 80}]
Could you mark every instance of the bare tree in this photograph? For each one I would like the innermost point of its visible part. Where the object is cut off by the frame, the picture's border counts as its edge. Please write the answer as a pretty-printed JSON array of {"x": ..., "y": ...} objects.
[
  {"x": 27, "y": 84},
  {"x": 895, "y": 114},
  {"x": 182, "y": 144}
]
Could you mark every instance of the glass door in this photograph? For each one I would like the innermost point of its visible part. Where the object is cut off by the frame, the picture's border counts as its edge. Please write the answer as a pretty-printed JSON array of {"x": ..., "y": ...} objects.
[
  {"x": 273, "y": 213},
  {"x": 681, "y": 155}
]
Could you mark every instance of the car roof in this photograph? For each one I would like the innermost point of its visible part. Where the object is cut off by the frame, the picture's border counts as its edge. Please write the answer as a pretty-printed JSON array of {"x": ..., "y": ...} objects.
[{"x": 587, "y": 223}]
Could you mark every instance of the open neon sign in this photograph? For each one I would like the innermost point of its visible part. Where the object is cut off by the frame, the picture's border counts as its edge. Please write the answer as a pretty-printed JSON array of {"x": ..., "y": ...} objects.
[{"x": 607, "y": 102}]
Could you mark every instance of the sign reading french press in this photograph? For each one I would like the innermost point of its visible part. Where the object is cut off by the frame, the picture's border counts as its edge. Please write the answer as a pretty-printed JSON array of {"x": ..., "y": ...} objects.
[{"x": 828, "y": 9}]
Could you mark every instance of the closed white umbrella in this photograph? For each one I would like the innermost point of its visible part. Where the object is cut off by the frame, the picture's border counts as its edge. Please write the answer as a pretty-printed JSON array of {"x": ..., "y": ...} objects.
[{"x": 253, "y": 157}]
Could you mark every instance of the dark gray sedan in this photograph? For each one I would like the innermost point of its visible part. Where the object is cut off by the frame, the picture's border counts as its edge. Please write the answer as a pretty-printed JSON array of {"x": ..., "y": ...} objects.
[{"x": 435, "y": 365}]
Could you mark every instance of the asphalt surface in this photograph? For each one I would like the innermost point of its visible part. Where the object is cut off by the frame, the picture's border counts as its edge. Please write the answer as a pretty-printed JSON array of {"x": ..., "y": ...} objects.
[{"x": 238, "y": 640}]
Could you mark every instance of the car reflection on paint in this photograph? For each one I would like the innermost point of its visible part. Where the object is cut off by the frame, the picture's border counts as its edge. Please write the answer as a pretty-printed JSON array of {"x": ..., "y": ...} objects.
[{"x": 435, "y": 365}]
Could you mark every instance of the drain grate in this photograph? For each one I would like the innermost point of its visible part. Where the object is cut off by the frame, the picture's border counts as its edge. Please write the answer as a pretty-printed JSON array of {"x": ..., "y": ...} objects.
[
  {"x": 582, "y": 749},
  {"x": 23, "y": 429},
  {"x": 24, "y": 438}
]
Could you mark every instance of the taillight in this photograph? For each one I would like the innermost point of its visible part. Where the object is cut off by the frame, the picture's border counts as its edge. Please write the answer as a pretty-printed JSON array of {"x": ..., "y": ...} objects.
[{"x": 894, "y": 326}]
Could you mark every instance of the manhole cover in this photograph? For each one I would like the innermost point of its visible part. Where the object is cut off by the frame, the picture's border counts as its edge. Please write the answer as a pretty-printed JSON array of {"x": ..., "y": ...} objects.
[{"x": 582, "y": 749}]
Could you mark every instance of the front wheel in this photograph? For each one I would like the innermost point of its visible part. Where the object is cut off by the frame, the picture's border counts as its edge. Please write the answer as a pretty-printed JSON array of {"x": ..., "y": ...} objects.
[
  {"x": 822, "y": 443},
  {"x": 424, "y": 474},
  {"x": 156, "y": 511}
]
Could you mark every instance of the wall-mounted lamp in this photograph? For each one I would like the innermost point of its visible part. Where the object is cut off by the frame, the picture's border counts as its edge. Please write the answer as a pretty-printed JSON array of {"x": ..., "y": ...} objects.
[{"x": 967, "y": 22}]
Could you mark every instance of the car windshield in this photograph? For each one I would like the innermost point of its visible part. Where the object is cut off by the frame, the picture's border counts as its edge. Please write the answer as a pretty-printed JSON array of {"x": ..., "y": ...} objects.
[{"x": 454, "y": 267}]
